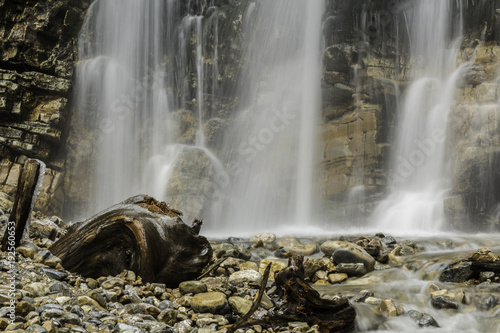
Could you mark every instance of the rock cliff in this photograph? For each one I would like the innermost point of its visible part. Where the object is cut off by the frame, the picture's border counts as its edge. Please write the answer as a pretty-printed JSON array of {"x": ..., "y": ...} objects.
[{"x": 37, "y": 55}]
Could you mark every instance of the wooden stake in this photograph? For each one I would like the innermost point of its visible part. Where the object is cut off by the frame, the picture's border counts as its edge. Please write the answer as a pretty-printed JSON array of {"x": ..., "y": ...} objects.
[{"x": 23, "y": 202}]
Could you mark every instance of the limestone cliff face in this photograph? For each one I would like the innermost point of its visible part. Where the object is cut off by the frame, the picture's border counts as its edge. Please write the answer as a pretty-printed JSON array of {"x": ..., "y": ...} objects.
[
  {"x": 37, "y": 55},
  {"x": 474, "y": 139},
  {"x": 366, "y": 67}
]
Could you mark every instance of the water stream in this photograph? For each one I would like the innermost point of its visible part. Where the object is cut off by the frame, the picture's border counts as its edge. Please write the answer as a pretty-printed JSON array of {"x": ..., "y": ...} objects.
[{"x": 417, "y": 179}]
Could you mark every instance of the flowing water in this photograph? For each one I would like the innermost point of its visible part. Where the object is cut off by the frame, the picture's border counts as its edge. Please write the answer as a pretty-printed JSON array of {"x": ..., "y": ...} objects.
[
  {"x": 143, "y": 62},
  {"x": 417, "y": 178},
  {"x": 271, "y": 145}
]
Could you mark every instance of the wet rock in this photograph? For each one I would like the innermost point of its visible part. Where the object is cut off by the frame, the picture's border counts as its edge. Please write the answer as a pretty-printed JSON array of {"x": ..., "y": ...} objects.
[
  {"x": 213, "y": 302},
  {"x": 249, "y": 276},
  {"x": 422, "y": 319},
  {"x": 37, "y": 289},
  {"x": 441, "y": 302},
  {"x": 388, "y": 308},
  {"x": 249, "y": 265},
  {"x": 388, "y": 240},
  {"x": 352, "y": 269},
  {"x": 484, "y": 254},
  {"x": 262, "y": 239},
  {"x": 240, "y": 305},
  {"x": 192, "y": 287},
  {"x": 486, "y": 276},
  {"x": 27, "y": 252},
  {"x": 61, "y": 316},
  {"x": 36, "y": 329},
  {"x": 112, "y": 283},
  {"x": 345, "y": 252},
  {"x": 373, "y": 248},
  {"x": 23, "y": 308},
  {"x": 337, "y": 277},
  {"x": 125, "y": 328},
  {"x": 54, "y": 274},
  {"x": 45, "y": 229},
  {"x": 293, "y": 246},
  {"x": 487, "y": 302},
  {"x": 458, "y": 272},
  {"x": 311, "y": 266},
  {"x": 276, "y": 265},
  {"x": 191, "y": 182}
]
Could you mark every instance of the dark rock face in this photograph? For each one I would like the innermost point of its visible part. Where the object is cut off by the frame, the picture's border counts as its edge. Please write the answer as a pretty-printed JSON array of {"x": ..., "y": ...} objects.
[{"x": 37, "y": 55}]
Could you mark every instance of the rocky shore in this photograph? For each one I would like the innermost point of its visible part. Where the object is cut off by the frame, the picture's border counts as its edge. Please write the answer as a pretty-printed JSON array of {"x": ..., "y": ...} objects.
[{"x": 48, "y": 298}]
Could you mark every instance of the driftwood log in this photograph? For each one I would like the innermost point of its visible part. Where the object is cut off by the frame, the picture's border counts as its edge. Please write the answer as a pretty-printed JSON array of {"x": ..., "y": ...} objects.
[
  {"x": 300, "y": 302},
  {"x": 303, "y": 303},
  {"x": 139, "y": 234},
  {"x": 27, "y": 191}
]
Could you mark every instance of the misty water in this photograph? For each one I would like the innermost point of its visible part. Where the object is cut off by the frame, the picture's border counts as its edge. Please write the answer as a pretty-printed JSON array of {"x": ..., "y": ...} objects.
[{"x": 143, "y": 62}]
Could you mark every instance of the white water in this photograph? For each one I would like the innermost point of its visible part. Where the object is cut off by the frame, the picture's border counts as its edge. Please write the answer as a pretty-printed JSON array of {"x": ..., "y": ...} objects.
[
  {"x": 270, "y": 146},
  {"x": 417, "y": 179}
]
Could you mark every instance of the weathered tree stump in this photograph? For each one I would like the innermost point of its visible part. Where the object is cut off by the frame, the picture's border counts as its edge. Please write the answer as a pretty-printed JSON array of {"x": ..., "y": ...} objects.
[
  {"x": 26, "y": 194},
  {"x": 139, "y": 234},
  {"x": 303, "y": 303}
]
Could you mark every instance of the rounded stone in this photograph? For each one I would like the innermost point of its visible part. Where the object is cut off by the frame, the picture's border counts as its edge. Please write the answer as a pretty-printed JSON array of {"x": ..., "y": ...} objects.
[
  {"x": 388, "y": 308},
  {"x": 345, "y": 252},
  {"x": 23, "y": 308},
  {"x": 263, "y": 237},
  {"x": 37, "y": 289},
  {"x": 276, "y": 265},
  {"x": 112, "y": 283},
  {"x": 192, "y": 287},
  {"x": 249, "y": 276},
  {"x": 26, "y": 251},
  {"x": 240, "y": 305},
  {"x": 337, "y": 277},
  {"x": 36, "y": 329},
  {"x": 212, "y": 302},
  {"x": 292, "y": 245}
]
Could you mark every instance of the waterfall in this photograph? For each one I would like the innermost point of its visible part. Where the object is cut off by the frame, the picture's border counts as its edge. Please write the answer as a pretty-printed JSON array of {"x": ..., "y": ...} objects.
[
  {"x": 147, "y": 66},
  {"x": 417, "y": 176},
  {"x": 270, "y": 148}
]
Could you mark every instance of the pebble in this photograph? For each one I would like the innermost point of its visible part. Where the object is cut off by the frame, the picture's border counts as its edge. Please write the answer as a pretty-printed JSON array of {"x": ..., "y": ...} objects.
[
  {"x": 240, "y": 305},
  {"x": 388, "y": 308},
  {"x": 247, "y": 276},
  {"x": 192, "y": 287},
  {"x": 212, "y": 302},
  {"x": 276, "y": 265},
  {"x": 293, "y": 246},
  {"x": 264, "y": 238}
]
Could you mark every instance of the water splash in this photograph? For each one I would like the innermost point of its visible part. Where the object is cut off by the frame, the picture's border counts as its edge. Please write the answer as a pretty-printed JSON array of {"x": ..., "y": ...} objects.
[{"x": 417, "y": 178}]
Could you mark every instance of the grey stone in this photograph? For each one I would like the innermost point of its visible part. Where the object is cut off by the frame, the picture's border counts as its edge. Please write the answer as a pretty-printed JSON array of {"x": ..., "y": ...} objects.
[
  {"x": 192, "y": 287},
  {"x": 212, "y": 302},
  {"x": 125, "y": 328},
  {"x": 249, "y": 276},
  {"x": 351, "y": 269},
  {"x": 36, "y": 329},
  {"x": 422, "y": 319},
  {"x": 37, "y": 289},
  {"x": 441, "y": 302},
  {"x": 240, "y": 305}
]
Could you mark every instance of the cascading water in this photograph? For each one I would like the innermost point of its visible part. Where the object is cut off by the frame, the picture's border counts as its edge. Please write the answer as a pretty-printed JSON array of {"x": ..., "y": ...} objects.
[
  {"x": 417, "y": 178},
  {"x": 270, "y": 148},
  {"x": 134, "y": 73}
]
